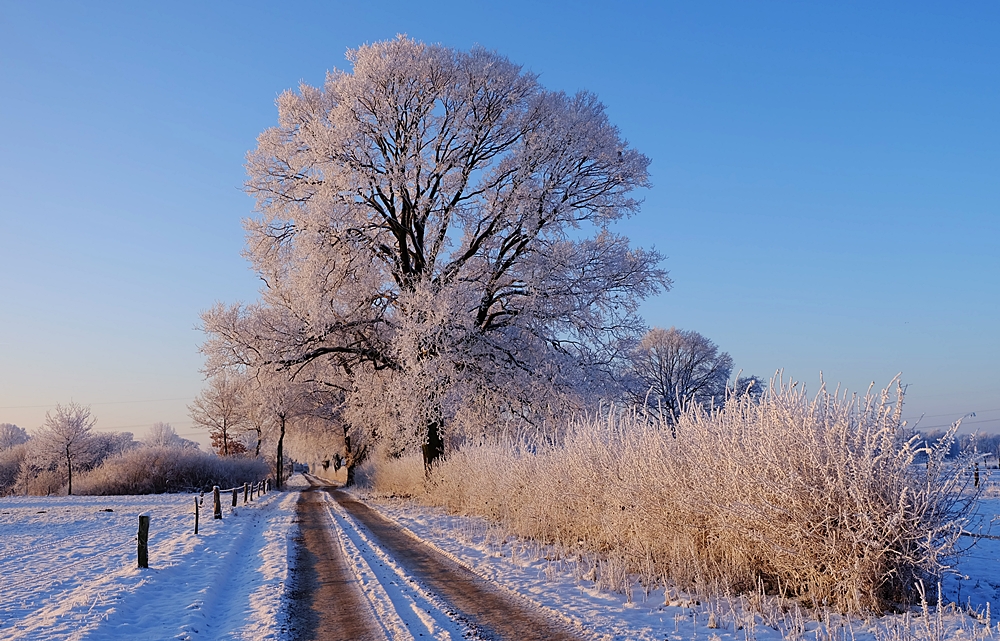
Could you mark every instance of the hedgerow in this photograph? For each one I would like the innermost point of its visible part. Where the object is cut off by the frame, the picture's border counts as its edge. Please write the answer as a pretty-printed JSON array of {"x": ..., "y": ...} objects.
[
  {"x": 153, "y": 470},
  {"x": 831, "y": 499}
]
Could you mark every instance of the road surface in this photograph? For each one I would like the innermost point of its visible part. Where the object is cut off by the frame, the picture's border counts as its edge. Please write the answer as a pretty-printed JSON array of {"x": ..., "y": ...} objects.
[{"x": 359, "y": 576}]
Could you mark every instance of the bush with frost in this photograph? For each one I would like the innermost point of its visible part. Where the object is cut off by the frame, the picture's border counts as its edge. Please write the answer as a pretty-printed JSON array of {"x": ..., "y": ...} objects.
[
  {"x": 10, "y": 467},
  {"x": 824, "y": 499},
  {"x": 400, "y": 476},
  {"x": 153, "y": 470}
]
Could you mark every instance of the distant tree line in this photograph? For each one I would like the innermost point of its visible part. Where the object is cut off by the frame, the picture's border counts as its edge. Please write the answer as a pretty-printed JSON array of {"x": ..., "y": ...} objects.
[
  {"x": 987, "y": 444},
  {"x": 51, "y": 459}
]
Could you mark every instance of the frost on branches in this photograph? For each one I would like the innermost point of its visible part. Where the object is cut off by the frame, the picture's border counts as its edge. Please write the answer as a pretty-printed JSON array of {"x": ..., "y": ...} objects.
[{"x": 434, "y": 242}]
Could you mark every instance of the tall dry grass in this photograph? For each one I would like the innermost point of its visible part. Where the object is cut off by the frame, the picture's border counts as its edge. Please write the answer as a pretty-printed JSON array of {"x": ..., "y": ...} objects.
[{"x": 821, "y": 499}]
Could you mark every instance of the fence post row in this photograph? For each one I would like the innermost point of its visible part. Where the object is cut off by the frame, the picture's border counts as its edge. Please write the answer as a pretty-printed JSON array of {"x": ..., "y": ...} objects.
[
  {"x": 248, "y": 491},
  {"x": 142, "y": 548}
]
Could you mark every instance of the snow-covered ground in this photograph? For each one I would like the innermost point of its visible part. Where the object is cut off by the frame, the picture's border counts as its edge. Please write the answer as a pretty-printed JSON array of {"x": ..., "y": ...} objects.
[
  {"x": 67, "y": 571},
  {"x": 68, "y": 568}
]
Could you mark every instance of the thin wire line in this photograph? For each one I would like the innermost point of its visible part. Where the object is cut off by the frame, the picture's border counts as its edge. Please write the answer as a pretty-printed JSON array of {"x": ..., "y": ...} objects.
[
  {"x": 985, "y": 420},
  {"x": 948, "y": 414},
  {"x": 151, "y": 400}
]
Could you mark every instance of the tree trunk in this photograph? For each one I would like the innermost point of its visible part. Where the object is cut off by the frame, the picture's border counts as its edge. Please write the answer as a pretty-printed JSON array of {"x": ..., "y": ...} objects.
[
  {"x": 349, "y": 461},
  {"x": 433, "y": 449},
  {"x": 69, "y": 474},
  {"x": 281, "y": 456},
  {"x": 351, "y": 458}
]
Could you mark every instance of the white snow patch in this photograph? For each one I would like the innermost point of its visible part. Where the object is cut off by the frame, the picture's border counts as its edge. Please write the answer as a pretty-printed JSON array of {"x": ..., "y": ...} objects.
[{"x": 69, "y": 568}]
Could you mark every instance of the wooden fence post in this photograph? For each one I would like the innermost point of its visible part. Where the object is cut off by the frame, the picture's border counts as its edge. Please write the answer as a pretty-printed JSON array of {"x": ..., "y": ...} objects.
[
  {"x": 234, "y": 497},
  {"x": 143, "y": 539},
  {"x": 246, "y": 492},
  {"x": 218, "y": 503},
  {"x": 196, "y": 515}
]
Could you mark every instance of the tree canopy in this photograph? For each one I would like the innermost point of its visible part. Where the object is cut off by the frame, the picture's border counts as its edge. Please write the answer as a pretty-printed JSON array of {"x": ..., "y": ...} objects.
[
  {"x": 434, "y": 244},
  {"x": 67, "y": 439},
  {"x": 674, "y": 367}
]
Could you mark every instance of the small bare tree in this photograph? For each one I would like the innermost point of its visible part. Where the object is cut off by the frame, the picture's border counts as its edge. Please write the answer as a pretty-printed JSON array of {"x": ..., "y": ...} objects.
[
  {"x": 673, "y": 368},
  {"x": 219, "y": 409},
  {"x": 67, "y": 438},
  {"x": 279, "y": 399}
]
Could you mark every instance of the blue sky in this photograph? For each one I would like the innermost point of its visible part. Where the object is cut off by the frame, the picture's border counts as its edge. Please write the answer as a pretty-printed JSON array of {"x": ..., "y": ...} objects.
[{"x": 825, "y": 179}]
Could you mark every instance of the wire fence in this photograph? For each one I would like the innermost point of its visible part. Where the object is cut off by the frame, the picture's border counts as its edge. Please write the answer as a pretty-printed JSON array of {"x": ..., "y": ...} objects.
[{"x": 249, "y": 489}]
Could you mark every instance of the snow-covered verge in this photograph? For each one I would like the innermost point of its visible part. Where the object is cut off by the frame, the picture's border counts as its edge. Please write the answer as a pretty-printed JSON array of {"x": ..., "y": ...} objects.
[
  {"x": 68, "y": 568},
  {"x": 563, "y": 585}
]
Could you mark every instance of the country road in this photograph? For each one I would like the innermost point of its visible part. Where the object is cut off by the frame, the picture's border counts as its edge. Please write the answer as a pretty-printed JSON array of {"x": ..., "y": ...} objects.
[
  {"x": 360, "y": 576},
  {"x": 325, "y": 601}
]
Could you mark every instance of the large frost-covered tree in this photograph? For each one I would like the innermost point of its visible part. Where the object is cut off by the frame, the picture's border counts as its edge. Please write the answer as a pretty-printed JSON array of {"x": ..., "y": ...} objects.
[{"x": 434, "y": 225}]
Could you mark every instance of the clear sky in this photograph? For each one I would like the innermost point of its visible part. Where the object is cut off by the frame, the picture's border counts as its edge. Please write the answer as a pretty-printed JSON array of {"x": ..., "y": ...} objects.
[{"x": 826, "y": 183}]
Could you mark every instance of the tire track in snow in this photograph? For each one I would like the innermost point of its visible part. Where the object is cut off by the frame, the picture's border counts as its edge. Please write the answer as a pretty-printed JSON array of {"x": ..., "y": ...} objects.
[
  {"x": 325, "y": 602},
  {"x": 455, "y": 590},
  {"x": 401, "y": 606}
]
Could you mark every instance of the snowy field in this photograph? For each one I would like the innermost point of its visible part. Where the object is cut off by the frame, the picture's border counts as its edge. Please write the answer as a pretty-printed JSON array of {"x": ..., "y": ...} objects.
[{"x": 68, "y": 568}]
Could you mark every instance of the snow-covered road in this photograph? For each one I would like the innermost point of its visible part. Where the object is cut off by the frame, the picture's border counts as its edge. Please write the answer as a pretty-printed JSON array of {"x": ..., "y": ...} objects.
[
  {"x": 403, "y": 609},
  {"x": 416, "y": 591}
]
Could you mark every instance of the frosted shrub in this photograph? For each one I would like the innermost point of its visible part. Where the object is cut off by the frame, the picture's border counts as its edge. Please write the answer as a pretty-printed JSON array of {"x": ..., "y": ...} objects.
[
  {"x": 402, "y": 476},
  {"x": 820, "y": 499},
  {"x": 10, "y": 466},
  {"x": 153, "y": 470}
]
